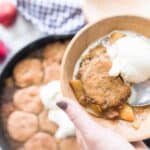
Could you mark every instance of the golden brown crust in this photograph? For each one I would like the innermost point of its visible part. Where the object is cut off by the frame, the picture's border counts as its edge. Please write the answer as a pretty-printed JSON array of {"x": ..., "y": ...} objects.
[
  {"x": 41, "y": 141},
  {"x": 28, "y": 100},
  {"x": 51, "y": 72},
  {"x": 54, "y": 52},
  {"x": 21, "y": 125},
  {"x": 69, "y": 144},
  {"x": 28, "y": 72},
  {"x": 99, "y": 86}
]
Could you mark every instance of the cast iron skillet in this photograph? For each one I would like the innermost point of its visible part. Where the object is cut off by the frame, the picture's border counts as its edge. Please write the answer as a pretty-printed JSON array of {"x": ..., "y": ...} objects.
[{"x": 7, "y": 68}]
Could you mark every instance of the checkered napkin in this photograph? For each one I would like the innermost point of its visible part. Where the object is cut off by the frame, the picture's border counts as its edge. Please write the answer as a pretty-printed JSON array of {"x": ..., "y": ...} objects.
[{"x": 53, "y": 16}]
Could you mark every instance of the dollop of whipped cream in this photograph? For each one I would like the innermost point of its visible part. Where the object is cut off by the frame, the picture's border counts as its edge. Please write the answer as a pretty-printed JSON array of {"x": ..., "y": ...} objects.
[
  {"x": 130, "y": 56},
  {"x": 48, "y": 94}
]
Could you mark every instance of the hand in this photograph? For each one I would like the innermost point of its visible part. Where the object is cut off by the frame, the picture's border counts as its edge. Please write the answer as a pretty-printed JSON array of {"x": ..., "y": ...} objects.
[{"x": 92, "y": 136}]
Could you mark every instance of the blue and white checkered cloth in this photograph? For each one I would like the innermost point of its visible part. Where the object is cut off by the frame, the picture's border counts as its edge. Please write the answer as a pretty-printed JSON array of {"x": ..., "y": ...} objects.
[{"x": 53, "y": 16}]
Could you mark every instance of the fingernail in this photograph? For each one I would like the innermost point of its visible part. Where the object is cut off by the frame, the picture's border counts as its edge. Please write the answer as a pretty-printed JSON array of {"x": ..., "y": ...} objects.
[{"x": 63, "y": 105}]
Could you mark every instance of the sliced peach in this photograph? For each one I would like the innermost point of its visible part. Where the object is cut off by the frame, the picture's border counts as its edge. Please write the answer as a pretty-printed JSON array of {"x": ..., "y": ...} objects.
[
  {"x": 94, "y": 109},
  {"x": 78, "y": 91},
  {"x": 116, "y": 36},
  {"x": 136, "y": 125},
  {"x": 127, "y": 114}
]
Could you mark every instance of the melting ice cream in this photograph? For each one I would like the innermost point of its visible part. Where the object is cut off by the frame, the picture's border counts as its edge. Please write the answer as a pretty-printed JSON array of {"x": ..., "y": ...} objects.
[{"x": 48, "y": 94}]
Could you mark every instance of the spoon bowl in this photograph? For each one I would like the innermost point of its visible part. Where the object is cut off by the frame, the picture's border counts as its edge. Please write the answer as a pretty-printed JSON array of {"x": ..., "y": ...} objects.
[{"x": 140, "y": 95}]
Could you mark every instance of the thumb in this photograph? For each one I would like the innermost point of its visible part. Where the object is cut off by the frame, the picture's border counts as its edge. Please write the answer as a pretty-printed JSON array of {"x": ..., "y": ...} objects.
[
  {"x": 77, "y": 115},
  {"x": 94, "y": 134}
]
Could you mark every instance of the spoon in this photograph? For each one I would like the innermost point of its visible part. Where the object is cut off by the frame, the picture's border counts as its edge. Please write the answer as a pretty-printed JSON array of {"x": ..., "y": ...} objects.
[{"x": 140, "y": 94}]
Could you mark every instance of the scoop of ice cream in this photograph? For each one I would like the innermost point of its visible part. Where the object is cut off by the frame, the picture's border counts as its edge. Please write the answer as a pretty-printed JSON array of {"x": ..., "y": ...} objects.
[
  {"x": 48, "y": 94},
  {"x": 66, "y": 127},
  {"x": 130, "y": 58}
]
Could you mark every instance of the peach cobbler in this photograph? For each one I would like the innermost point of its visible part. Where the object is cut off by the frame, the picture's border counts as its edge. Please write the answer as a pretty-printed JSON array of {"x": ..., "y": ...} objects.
[{"x": 101, "y": 94}]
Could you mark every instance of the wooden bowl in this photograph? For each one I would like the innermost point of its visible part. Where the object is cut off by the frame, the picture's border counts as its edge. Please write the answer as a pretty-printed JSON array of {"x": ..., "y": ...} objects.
[{"x": 80, "y": 42}]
